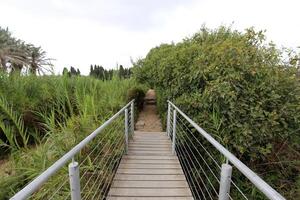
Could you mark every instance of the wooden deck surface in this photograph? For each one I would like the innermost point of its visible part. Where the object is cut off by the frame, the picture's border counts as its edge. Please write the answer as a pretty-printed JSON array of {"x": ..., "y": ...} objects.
[{"x": 149, "y": 171}]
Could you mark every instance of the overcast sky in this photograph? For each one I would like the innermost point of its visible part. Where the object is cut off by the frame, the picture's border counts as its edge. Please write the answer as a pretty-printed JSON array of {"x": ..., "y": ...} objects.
[{"x": 83, "y": 32}]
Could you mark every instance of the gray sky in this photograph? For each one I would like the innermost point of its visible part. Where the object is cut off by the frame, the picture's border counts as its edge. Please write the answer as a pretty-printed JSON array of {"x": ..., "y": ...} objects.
[{"x": 83, "y": 32}]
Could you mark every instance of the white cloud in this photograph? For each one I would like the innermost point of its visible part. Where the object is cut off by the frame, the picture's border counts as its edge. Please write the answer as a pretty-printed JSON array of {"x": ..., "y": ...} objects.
[{"x": 80, "y": 33}]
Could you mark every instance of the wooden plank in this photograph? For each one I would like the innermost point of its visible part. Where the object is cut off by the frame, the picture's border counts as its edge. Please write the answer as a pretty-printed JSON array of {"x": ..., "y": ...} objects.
[
  {"x": 136, "y": 161},
  {"x": 141, "y": 157},
  {"x": 149, "y": 145},
  {"x": 150, "y": 139},
  {"x": 150, "y": 184},
  {"x": 145, "y": 132},
  {"x": 150, "y": 136},
  {"x": 167, "y": 151},
  {"x": 149, "y": 198},
  {"x": 148, "y": 149},
  {"x": 149, "y": 171},
  {"x": 149, "y": 166},
  {"x": 135, "y": 177},
  {"x": 150, "y": 192},
  {"x": 140, "y": 141},
  {"x": 151, "y": 153}
]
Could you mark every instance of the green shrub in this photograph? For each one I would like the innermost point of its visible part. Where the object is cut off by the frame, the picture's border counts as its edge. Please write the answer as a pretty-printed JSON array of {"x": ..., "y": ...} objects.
[
  {"x": 235, "y": 85},
  {"x": 138, "y": 94}
]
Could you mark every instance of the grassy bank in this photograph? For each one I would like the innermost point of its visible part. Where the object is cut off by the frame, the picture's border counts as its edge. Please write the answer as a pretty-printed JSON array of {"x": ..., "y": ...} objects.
[{"x": 43, "y": 117}]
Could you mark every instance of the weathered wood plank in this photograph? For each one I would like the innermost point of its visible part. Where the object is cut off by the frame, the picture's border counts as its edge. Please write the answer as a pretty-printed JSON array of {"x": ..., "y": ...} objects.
[
  {"x": 149, "y": 149},
  {"x": 150, "y": 198},
  {"x": 152, "y": 133},
  {"x": 149, "y": 166},
  {"x": 149, "y": 171},
  {"x": 151, "y": 153},
  {"x": 150, "y": 192},
  {"x": 141, "y": 157},
  {"x": 150, "y": 139},
  {"x": 150, "y": 184},
  {"x": 149, "y": 145},
  {"x": 136, "y": 177},
  {"x": 136, "y": 161}
]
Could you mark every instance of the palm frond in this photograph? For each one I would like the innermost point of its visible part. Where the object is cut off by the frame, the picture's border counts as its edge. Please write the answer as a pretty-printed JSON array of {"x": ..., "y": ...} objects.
[{"x": 16, "y": 120}]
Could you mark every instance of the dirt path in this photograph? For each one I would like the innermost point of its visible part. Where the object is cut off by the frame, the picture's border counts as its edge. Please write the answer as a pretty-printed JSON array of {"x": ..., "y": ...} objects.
[{"x": 148, "y": 120}]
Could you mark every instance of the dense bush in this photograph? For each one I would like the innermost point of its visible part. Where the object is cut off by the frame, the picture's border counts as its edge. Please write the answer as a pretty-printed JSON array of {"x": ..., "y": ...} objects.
[
  {"x": 236, "y": 86},
  {"x": 138, "y": 94}
]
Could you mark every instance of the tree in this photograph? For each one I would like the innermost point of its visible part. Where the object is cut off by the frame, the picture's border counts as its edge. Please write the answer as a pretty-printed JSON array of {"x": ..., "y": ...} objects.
[
  {"x": 15, "y": 55},
  {"x": 65, "y": 71},
  {"x": 10, "y": 51},
  {"x": 38, "y": 62},
  {"x": 121, "y": 72}
]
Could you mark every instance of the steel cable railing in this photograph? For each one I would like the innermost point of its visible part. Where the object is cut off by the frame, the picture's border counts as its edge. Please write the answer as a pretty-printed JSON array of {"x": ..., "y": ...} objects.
[
  {"x": 206, "y": 181},
  {"x": 210, "y": 168},
  {"x": 94, "y": 162}
]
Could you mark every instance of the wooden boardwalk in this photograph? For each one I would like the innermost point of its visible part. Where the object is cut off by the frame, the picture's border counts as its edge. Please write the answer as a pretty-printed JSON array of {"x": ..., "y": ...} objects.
[{"x": 149, "y": 171}]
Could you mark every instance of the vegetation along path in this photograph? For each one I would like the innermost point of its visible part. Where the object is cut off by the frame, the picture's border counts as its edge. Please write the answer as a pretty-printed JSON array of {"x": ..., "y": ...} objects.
[{"x": 149, "y": 170}]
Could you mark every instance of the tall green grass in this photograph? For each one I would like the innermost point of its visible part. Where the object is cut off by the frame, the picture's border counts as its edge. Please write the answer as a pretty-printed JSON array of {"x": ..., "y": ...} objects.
[{"x": 44, "y": 117}]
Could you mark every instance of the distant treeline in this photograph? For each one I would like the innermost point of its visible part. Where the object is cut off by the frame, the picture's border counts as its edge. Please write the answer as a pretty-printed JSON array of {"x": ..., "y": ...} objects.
[{"x": 97, "y": 71}]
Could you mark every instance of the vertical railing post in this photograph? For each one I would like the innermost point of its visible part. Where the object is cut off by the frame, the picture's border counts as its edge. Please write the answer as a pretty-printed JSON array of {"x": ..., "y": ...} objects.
[
  {"x": 174, "y": 131},
  {"x": 132, "y": 117},
  {"x": 126, "y": 130},
  {"x": 168, "y": 119},
  {"x": 225, "y": 181},
  {"x": 74, "y": 180}
]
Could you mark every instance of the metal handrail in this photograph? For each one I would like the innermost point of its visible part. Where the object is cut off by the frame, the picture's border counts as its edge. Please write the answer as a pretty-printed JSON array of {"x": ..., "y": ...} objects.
[
  {"x": 34, "y": 185},
  {"x": 265, "y": 188}
]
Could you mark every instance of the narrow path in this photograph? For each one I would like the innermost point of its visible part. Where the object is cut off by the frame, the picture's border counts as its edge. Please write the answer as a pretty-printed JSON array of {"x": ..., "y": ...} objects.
[
  {"x": 148, "y": 118},
  {"x": 150, "y": 170}
]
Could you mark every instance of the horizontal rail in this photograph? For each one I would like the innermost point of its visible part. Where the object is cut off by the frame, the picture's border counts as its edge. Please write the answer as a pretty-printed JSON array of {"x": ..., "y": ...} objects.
[
  {"x": 43, "y": 177},
  {"x": 265, "y": 188}
]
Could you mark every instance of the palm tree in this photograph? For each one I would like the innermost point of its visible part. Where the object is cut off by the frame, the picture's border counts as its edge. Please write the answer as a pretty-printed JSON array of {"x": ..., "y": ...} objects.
[
  {"x": 16, "y": 55},
  {"x": 10, "y": 53},
  {"x": 37, "y": 60}
]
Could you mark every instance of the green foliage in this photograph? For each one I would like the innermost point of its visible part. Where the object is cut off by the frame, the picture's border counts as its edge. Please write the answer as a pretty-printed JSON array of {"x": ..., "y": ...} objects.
[
  {"x": 12, "y": 127},
  {"x": 16, "y": 55},
  {"x": 57, "y": 112},
  {"x": 138, "y": 94},
  {"x": 235, "y": 85}
]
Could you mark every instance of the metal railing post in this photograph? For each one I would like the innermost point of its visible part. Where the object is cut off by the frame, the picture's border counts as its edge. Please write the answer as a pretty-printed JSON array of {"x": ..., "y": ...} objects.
[
  {"x": 174, "y": 131},
  {"x": 168, "y": 119},
  {"x": 74, "y": 180},
  {"x": 132, "y": 117},
  {"x": 225, "y": 181},
  {"x": 126, "y": 130}
]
